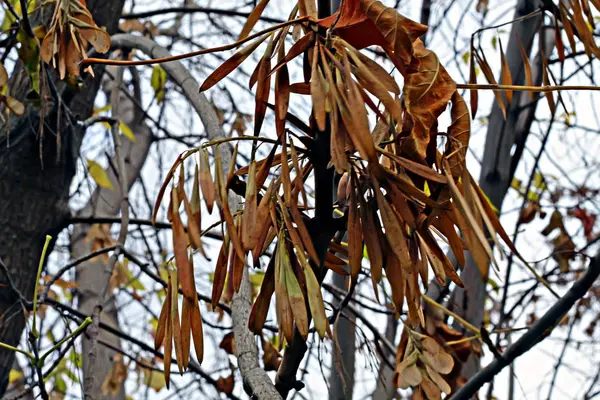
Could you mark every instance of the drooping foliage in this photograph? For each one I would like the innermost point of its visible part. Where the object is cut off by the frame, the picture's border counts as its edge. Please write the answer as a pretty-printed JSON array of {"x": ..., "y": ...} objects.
[{"x": 403, "y": 185}]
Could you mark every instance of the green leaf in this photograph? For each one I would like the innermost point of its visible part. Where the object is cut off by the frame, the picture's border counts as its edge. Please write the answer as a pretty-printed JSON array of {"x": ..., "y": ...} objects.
[
  {"x": 516, "y": 184},
  {"x": 539, "y": 181},
  {"x": 75, "y": 359},
  {"x": 126, "y": 131},
  {"x": 99, "y": 174},
  {"x": 466, "y": 57},
  {"x": 29, "y": 53},
  {"x": 495, "y": 43},
  {"x": 69, "y": 374},
  {"x": 60, "y": 385},
  {"x": 494, "y": 285},
  {"x": 158, "y": 81}
]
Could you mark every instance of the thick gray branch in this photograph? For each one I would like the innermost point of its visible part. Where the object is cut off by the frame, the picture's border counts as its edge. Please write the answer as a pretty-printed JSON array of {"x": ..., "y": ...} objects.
[{"x": 256, "y": 381}]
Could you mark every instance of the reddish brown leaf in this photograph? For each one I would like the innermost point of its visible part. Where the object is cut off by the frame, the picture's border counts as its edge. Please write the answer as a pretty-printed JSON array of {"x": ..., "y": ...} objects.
[
  {"x": 231, "y": 64},
  {"x": 317, "y": 90},
  {"x": 393, "y": 229},
  {"x": 184, "y": 270},
  {"x": 207, "y": 185},
  {"x": 355, "y": 236},
  {"x": 459, "y": 133},
  {"x": 197, "y": 332},
  {"x": 250, "y": 210},
  {"x": 161, "y": 328},
  {"x": 260, "y": 308},
  {"x": 427, "y": 90},
  {"x": 220, "y": 273},
  {"x": 185, "y": 332},
  {"x": 252, "y": 19},
  {"x": 505, "y": 76}
]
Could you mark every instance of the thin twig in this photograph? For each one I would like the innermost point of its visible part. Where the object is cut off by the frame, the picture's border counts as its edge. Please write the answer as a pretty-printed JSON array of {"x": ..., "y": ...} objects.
[
  {"x": 101, "y": 61},
  {"x": 538, "y": 332}
]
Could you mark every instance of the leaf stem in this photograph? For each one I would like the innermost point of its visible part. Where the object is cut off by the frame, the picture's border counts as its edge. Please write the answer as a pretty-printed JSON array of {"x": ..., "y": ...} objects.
[
  {"x": 17, "y": 350},
  {"x": 95, "y": 61},
  {"x": 466, "y": 324},
  {"x": 524, "y": 88},
  {"x": 34, "y": 331},
  {"x": 73, "y": 334}
]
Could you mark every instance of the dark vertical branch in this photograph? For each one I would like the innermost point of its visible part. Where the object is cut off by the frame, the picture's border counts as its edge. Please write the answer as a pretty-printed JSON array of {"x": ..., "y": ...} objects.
[{"x": 322, "y": 230}]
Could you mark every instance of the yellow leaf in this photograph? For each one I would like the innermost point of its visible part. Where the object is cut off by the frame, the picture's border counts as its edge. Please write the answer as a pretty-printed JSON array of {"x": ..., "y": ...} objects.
[
  {"x": 154, "y": 379},
  {"x": 99, "y": 174},
  {"x": 126, "y": 131},
  {"x": 158, "y": 81},
  {"x": 14, "y": 375}
]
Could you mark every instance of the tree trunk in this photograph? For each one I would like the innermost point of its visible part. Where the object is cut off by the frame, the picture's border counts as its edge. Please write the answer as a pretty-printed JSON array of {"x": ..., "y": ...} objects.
[
  {"x": 35, "y": 192},
  {"x": 91, "y": 278},
  {"x": 497, "y": 167},
  {"x": 341, "y": 380}
]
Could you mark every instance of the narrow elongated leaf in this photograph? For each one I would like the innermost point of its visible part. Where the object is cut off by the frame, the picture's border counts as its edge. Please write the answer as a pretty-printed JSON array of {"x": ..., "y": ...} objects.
[
  {"x": 459, "y": 133},
  {"x": 371, "y": 236},
  {"x": 393, "y": 230},
  {"x": 184, "y": 270},
  {"x": 207, "y": 185},
  {"x": 297, "y": 48},
  {"x": 250, "y": 210},
  {"x": 527, "y": 67},
  {"x": 260, "y": 308},
  {"x": 489, "y": 75},
  {"x": 231, "y": 64},
  {"x": 252, "y": 19},
  {"x": 284, "y": 312},
  {"x": 371, "y": 83},
  {"x": 546, "y": 82},
  {"x": 463, "y": 207},
  {"x": 185, "y": 331},
  {"x": 263, "y": 88},
  {"x": 161, "y": 328},
  {"x": 317, "y": 90},
  {"x": 176, "y": 329},
  {"x": 282, "y": 88},
  {"x": 193, "y": 212},
  {"x": 220, "y": 273},
  {"x": 197, "y": 332},
  {"x": 295, "y": 296},
  {"x": 315, "y": 302},
  {"x": 505, "y": 76},
  {"x": 355, "y": 235},
  {"x": 474, "y": 98}
]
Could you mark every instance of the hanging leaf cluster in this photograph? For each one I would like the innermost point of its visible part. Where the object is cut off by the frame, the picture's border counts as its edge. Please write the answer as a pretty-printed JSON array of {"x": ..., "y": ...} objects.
[
  {"x": 72, "y": 29},
  {"x": 403, "y": 188}
]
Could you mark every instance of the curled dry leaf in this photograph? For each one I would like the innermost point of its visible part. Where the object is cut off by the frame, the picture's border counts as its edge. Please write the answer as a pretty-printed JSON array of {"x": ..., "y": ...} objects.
[{"x": 72, "y": 29}]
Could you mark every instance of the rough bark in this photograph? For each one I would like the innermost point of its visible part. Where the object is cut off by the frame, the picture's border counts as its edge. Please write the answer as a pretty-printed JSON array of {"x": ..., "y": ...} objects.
[
  {"x": 90, "y": 275},
  {"x": 256, "y": 381},
  {"x": 341, "y": 380},
  {"x": 497, "y": 168},
  {"x": 385, "y": 389},
  {"x": 34, "y": 193}
]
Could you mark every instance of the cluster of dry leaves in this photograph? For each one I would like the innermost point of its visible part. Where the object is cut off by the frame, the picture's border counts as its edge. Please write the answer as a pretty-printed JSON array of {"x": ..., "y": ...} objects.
[
  {"x": 71, "y": 30},
  {"x": 400, "y": 195}
]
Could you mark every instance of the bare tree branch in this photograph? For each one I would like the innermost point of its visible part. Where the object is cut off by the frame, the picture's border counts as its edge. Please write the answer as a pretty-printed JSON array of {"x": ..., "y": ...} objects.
[
  {"x": 538, "y": 332},
  {"x": 256, "y": 381}
]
